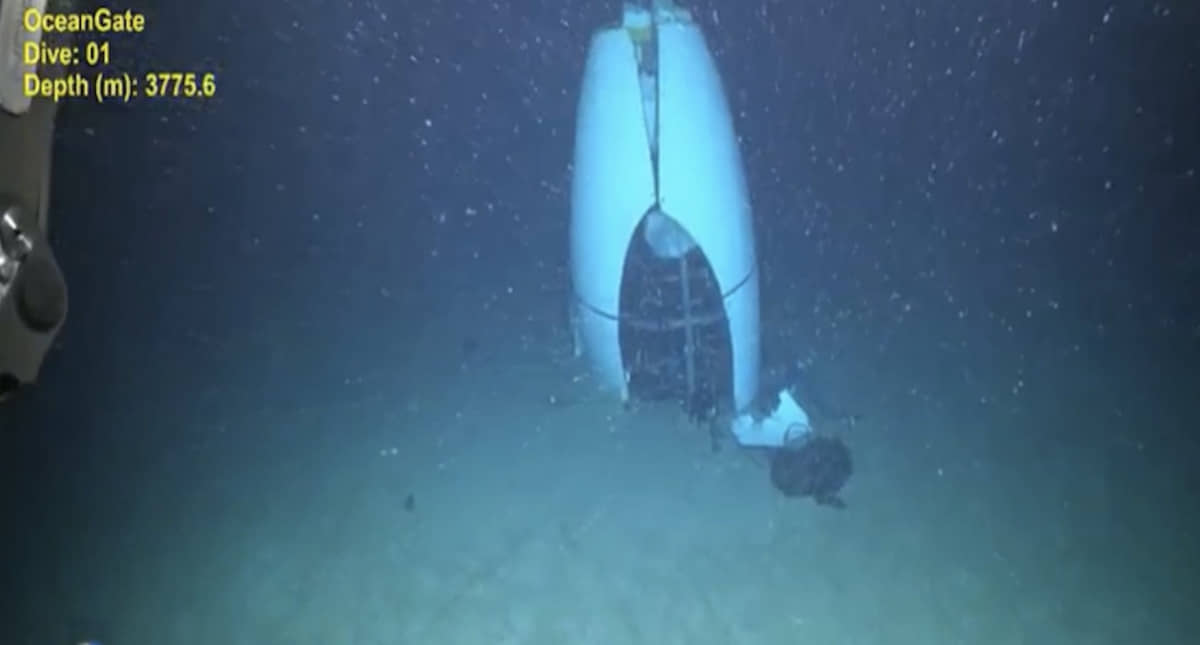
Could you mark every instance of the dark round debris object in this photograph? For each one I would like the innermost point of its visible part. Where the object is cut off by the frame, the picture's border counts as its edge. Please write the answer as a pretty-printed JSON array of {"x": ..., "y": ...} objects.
[
  {"x": 41, "y": 294},
  {"x": 818, "y": 468}
]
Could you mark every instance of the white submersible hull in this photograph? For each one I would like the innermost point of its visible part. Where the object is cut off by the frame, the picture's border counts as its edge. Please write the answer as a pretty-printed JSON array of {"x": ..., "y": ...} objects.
[{"x": 659, "y": 205}]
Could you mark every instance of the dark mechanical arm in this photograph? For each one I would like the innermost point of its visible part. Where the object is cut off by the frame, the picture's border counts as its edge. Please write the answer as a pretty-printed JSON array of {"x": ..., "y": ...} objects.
[{"x": 33, "y": 293}]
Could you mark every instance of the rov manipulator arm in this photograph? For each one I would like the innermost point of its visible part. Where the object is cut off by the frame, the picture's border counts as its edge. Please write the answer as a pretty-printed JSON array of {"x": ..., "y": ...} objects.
[{"x": 33, "y": 292}]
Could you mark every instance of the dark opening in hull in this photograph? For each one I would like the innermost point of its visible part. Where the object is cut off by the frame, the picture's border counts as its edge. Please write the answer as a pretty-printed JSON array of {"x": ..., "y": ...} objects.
[{"x": 674, "y": 333}]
